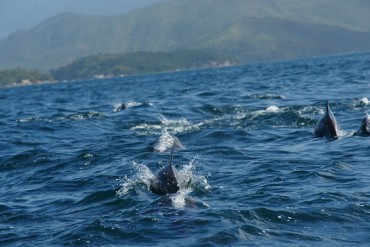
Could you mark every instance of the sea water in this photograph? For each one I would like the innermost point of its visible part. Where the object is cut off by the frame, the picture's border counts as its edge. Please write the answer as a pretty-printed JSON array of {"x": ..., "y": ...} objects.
[{"x": 75, "y": 168}]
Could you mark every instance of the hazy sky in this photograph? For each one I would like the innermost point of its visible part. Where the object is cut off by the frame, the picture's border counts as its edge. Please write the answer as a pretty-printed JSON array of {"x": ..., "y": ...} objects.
[{"x": 25, "y": 14}]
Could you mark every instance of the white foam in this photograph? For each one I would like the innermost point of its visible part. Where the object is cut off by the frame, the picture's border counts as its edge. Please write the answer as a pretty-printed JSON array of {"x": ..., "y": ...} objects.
[
  {"x": 179, "y": 199},
  {"x": 364, "y": 100},
  {"x": 117, "y": 107},
  {"x": 127, "y": 185},
  {"x": 273, "y": 108},
  {"x": 270, "y": 109},
  {"x": 273, "y": 96},
  {"x": 166, "y": 141},
  {"x": 173, "y": 125},
  {"x": 142, "y": 175},
  {"x": 176, "y": 125}
]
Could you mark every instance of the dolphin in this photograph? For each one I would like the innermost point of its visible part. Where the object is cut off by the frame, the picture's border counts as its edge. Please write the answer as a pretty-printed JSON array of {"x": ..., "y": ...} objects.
[
  {"x": 365, "y": 127},
  {"x": 164, "y": 181},
  {"x": 327, "y": 126},
  {"x": 165, "y": 141},
  {"x": 120, "y": 107}
]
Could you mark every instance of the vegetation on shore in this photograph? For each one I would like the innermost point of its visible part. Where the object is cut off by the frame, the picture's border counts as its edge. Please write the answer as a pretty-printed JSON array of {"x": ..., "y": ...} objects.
[
  {"x": 19, "y": 76},
  {"x": 115, "y": 65}
]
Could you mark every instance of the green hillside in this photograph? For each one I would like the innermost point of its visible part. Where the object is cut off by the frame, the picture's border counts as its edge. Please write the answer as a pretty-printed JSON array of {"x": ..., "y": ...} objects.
[
  {"x": 18, "y": 76},
  {"x": 106, "y": 65},
  {"x": 282, "y": 39},
  {"x": 249, "y": 30}
]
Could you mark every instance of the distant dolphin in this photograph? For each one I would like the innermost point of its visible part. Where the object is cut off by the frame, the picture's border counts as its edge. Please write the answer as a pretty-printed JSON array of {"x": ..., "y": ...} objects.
[
  {"x": 165, "y": 141},
  {"x": 120, "y": 107},
  {"x": 327, "y": 126},
  {"x": 365, "y": 127},
  {"x": 165, "y": 181}
]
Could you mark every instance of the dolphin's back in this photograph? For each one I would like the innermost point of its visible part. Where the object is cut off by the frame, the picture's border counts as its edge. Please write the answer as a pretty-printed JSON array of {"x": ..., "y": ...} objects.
[
  {"x": 327, "y": 126},
  {"x": 365, "y": 127},
  {"x": 165, "y": 181}
]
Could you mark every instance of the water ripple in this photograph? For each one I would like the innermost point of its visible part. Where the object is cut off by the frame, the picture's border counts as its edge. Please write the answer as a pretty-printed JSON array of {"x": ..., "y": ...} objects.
[{"x": 75, "y": 164}]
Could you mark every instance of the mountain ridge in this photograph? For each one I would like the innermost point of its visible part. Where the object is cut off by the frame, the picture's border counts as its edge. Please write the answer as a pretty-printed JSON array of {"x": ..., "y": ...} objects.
[
  {"x": 250, "y": 31},
  {"x": 299, "y": 40}
]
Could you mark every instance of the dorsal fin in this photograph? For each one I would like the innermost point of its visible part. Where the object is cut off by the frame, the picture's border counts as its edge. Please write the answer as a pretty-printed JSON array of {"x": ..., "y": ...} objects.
[
  {"x": 327, "y": 108},
  {"x": 330, "y": 114},
  {"x": 171, "y": 156}
]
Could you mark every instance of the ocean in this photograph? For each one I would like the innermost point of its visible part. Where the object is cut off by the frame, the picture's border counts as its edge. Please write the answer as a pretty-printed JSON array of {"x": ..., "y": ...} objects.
[{"x": 75, "y": 166}]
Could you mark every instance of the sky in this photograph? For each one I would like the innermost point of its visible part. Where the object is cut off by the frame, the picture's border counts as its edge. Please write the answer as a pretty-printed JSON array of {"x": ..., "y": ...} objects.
[{"x": 25, "y": 14}]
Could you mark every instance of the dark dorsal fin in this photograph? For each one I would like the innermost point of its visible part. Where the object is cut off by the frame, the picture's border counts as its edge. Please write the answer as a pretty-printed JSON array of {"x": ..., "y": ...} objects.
[
  {"x": 171, "y": 156},
  {"x": 327, "y": 108},
  {"x": 365, "y": 124},
  {"x": 165, "y": 181}
]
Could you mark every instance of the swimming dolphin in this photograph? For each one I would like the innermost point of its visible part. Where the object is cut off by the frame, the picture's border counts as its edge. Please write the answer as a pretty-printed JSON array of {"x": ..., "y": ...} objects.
[
  {"x": 164, "y": 181},
  {"x": 365, "y": 127},
  {"x": 165, "y": 141},
  {"x": 120, "y": 107},
  {"x": 327, "y": 126}
]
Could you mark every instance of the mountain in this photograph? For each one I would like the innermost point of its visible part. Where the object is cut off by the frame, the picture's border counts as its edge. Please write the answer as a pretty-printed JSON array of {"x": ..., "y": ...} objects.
[
  {"x": 261, "y": 39},
  {"x": 248, "y": 30}
]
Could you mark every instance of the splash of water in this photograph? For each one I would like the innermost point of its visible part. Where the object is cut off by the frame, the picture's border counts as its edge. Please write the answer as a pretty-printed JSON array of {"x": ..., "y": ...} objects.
[
  {"x": 187, "y": 179},
  {"x": 364, "y": 101},
  {"x": 122, "y": 106},
  {"x": 142, "y": 175},
  {"x": 272, "y": 108}
]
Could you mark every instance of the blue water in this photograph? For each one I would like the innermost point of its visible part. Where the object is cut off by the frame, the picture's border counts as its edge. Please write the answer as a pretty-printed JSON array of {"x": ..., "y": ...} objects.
[{"x": 74, "y": 169}]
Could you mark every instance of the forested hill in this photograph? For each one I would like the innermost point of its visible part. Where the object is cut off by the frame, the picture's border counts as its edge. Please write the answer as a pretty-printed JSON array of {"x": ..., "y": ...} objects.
[
  {"x": 248, "y": 30},
  {"x": 114, "y": 65},
  {"x": 18, "y": 76}
]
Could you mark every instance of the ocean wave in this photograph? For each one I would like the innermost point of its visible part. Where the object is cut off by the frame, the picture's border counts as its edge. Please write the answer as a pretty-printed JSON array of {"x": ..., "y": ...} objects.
[
  {"x": 71, "y": 117},
  {"x": 364, "y": 101},
  {"x": 265, "y": 96},
  {"x": 173, "y": 125},
  {"x": 252, "y": 173}
]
